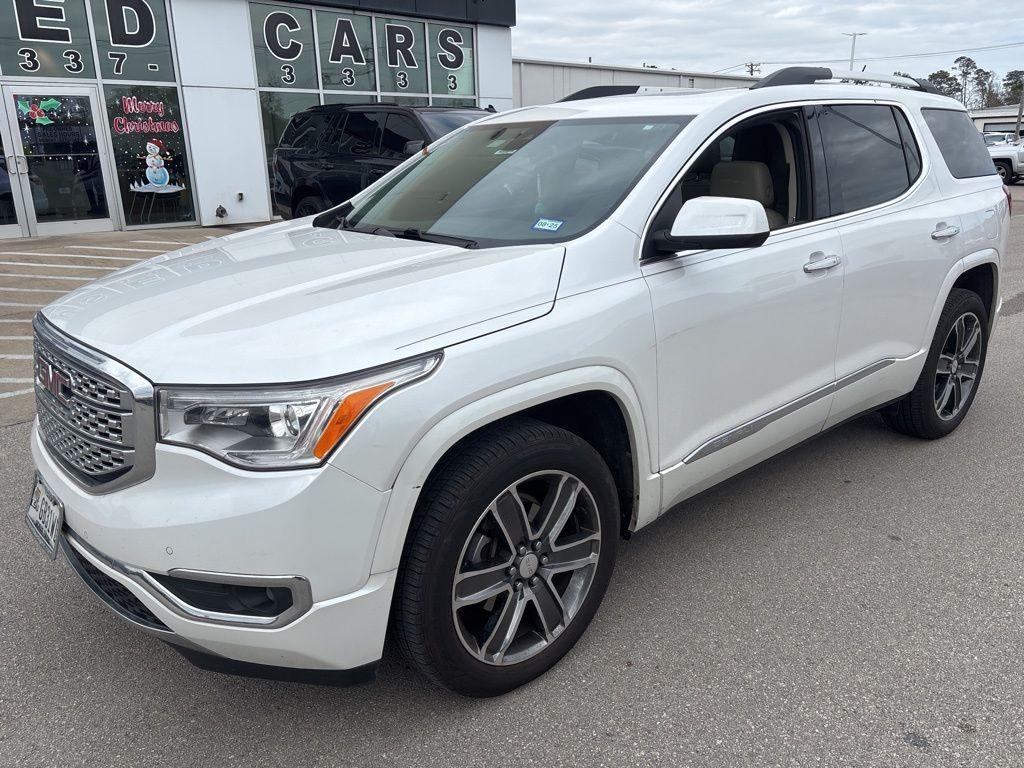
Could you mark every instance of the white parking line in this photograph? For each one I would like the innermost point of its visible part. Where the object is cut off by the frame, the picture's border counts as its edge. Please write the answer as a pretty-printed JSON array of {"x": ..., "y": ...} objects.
[
  {"x": 15, "y": 393},
  {"x": 15, "y": 381},
  {"x": 73, "y": 256},
  {"x": 162, "y": 242},
  {"x": 14, "y": 338},
  {"x": 15, "y": 357},
  {"x": 110, "y": 248},
  {"x": 55, "y": 266},
  {"x": 6, "y": 320},
  {"x": 16, "y": 304},
  {"x": 46, "y": 277},
  {"x": 32, "y": 290}
]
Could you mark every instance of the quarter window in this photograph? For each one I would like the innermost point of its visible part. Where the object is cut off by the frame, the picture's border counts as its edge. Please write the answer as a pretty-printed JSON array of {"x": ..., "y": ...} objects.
[
  {"x": 864, "y": 154},
  {"x": 961, "y": 145}
]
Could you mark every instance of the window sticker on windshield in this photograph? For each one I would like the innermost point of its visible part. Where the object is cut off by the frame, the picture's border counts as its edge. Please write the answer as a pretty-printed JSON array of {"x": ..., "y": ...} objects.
[{"x": 548, "y": 225}]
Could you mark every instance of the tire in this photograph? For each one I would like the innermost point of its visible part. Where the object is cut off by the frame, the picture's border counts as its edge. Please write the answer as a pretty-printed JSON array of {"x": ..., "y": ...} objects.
[
  {"x": 940, "y": 400},
  {"x": 451, "y": 642},
  {"x": 309, "y": 206},
  {"x": 1005, "y": 171}
]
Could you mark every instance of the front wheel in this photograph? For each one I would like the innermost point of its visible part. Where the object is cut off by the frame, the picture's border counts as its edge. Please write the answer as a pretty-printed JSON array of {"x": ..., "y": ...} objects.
[
  {"x": 511, "y": 550},
  {"x": 1005, "y": 171},
  {"x": 952, "y": 371}
]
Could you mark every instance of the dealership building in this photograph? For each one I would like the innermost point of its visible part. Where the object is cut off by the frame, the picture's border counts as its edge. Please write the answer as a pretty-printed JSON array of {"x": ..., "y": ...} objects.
[
  {"x": 140, "y": 113},
  {"x": 125, "y": 114}
]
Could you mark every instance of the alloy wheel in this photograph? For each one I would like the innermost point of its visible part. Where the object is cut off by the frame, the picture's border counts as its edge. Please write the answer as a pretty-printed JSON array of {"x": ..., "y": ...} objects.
[
  {"x": 958, "y": 366},
  {"x": 526, "y": 567}
]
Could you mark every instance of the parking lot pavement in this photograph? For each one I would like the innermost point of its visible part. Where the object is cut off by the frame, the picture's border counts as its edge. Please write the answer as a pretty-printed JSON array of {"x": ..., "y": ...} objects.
[
  {"x": 856, "y": 601},
  {"x": 34, "y": 272}
]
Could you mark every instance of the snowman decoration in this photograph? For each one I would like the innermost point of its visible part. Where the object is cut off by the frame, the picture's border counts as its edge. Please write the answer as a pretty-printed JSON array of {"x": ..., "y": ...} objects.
[{"x": 156, "y": 173}]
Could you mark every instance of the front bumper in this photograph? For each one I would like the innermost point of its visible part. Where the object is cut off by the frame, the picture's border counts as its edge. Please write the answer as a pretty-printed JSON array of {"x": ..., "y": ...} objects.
[{"x": 314, "y": 527}]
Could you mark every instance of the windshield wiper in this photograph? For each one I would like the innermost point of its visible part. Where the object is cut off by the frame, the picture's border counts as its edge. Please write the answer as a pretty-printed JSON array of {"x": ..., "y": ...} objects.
[{"x": 428, "y": 237}]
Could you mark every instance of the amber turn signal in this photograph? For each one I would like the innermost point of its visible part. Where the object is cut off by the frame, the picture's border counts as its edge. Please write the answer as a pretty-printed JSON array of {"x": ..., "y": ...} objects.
[{"x": 345, "y": 415}]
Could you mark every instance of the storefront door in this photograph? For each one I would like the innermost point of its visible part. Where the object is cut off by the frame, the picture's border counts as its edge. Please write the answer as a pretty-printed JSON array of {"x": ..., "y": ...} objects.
[{"x": 56, "y": 161}]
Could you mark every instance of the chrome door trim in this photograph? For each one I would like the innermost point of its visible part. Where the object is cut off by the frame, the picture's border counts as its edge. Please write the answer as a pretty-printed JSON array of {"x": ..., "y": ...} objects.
[{"x": 758, "y": 423}]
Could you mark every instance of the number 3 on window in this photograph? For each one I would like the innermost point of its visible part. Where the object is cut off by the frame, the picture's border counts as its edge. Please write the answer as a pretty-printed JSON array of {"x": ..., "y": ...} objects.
[
  {"x": 31, "y": 59},
  {"x": 287, "y": 74},
  {"x": 74, "y": 65},
  {"x": 453, "y": 83},
  {"x": 402, "y": 78}
]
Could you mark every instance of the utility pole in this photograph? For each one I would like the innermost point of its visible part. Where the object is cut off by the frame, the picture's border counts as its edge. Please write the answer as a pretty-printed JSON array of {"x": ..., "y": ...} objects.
[
  {"x": 1020, "y": 113},
  {"x": 753, "y": 68},
  {"x": 853, "y": 45}
]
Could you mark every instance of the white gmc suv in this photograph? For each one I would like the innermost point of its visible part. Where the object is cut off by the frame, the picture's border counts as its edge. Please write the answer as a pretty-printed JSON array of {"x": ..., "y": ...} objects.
[{"x": 433, "y": 411}]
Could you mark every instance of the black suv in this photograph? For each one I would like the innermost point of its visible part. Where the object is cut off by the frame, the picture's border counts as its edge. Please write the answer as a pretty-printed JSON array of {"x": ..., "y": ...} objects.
[{"x": 329, "y": 153}]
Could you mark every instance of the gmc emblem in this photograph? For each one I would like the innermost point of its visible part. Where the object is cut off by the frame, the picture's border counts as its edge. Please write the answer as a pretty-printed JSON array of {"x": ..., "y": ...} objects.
[{"x": 54, "y": 382}]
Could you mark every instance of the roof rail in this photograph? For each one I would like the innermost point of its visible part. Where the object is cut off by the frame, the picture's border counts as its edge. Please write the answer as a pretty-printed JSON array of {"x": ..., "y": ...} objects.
[
  {"x": 810, "y": 75},
  {"x": 602, "y": 91}
]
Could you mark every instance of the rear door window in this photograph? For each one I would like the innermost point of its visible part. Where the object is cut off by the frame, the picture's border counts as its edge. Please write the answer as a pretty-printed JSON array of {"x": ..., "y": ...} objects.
[
  {"x": 360, "y": 134},
  {"x": 864, "y": 155},
  {"x": 399, "y": 130},
  {"x": 305, "y": 130},
  {"x": 961, "y": 145}
]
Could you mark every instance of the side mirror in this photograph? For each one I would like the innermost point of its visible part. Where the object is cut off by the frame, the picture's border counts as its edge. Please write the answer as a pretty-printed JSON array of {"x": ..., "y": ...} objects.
[
  {"x": 706, "y": 223},
  {"x": 412, "y": 147}
]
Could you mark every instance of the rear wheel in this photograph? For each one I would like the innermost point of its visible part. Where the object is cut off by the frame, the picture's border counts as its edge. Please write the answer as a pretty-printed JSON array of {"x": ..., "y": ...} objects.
[
  {"x": 309, "y": 206},
  {"x": 511, "y": 550},
  {"x": 952, "y": 372},
  {"x": 1005, "y": 171}
]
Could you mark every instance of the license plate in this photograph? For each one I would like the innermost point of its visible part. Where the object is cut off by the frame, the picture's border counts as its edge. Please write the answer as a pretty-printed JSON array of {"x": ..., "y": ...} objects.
[{"x": 45, "y": 517}]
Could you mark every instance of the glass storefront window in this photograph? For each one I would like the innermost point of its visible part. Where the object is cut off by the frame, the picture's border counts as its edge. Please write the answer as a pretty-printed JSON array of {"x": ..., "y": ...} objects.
[
  {"x": 58, "y": 137},
  {"x": 277, "y": 108},
  {"x": 133, "y": 40},
  {"x": 282, "y": 37},
  {"x": 150, "y": 154},
  {"x": 405, "y": 101},
  {"x": 402, "y": 50},
  {"x": 350, "y": 98},
  {"x": 452, "y": 61},
  {"x": 346, "y": 51},
  {"x": 45, "y": 40},
  {"x": 8, "y": 213}
]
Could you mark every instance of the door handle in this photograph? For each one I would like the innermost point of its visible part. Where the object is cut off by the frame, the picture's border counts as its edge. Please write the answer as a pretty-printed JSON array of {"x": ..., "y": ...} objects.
[
  {"x": 945, "y": 233},
  {"x": 820, "y": 262},
  {"x": 12, "y": 165}
]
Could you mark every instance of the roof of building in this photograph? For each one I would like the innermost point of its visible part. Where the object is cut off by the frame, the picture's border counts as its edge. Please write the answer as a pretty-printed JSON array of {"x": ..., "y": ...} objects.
[
  {"x": 645, "y": 70},
  {"x": 1010, "y": 109}
]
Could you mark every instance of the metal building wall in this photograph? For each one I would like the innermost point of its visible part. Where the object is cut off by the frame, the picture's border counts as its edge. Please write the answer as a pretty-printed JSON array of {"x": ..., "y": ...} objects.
[{"x": 543, "y": 82}]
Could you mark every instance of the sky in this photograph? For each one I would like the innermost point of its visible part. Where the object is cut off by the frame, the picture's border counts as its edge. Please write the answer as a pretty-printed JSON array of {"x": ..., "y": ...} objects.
[{"x": 719, "y": 34}]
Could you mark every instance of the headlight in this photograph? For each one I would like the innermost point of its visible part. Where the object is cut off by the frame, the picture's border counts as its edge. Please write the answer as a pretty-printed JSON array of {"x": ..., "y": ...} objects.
[{"x": 274, "y": 427}]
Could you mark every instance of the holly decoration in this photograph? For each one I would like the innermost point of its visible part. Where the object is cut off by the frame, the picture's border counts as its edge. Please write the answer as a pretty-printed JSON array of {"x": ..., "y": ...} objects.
[{"x": 37, "y": 112}]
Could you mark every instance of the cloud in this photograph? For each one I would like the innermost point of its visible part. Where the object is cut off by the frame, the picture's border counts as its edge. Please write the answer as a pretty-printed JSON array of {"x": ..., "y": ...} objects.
[{"x": 718, "y": 34}]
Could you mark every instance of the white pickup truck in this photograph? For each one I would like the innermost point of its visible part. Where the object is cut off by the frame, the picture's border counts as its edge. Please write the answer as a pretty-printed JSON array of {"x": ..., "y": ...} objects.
[{"x": 1009, "y": 160}]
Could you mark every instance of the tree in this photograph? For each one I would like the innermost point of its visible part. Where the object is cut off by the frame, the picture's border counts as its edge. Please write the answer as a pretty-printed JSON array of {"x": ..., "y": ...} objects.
[
  {"x": 946, "y": 84},
  {"x": 964, "y": 67},
  {"x": 1013, "y": 86},
  {"x": 985, "y": 92}
]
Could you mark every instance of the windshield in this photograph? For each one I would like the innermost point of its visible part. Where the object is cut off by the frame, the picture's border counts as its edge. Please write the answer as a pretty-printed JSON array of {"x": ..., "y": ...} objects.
[
  {"x": 442, "y": 123},
  {"x": 518, "y": 183}
]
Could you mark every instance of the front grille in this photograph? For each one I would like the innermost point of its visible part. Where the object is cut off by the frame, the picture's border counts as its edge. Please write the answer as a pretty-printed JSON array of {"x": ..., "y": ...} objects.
[
  {"x": 113, "y": 592},
  {"x": 88, "y": 418}
]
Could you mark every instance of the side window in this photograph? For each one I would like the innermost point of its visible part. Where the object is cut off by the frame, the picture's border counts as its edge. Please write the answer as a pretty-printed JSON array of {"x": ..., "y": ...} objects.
[
  {"x": 305, "y": 130},
  {"x": 764, "y": 158},
  {"x": 359, "y": 135},
  {"x": 864, "y": 154},
  {"x": 398, "y": 131},
  {"x": 910, "y": 149},
  {"x": 961, "y": 145}
]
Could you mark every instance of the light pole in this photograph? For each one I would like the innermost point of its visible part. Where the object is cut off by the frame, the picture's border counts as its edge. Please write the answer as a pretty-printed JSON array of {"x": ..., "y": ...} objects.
[{"x": 853, "y": 44}]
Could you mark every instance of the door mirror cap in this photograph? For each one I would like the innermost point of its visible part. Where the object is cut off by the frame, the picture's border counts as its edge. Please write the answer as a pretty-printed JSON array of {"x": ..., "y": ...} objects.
[
  {"x": 707, "y": 223},
  {"x": 412, "y": 147}
]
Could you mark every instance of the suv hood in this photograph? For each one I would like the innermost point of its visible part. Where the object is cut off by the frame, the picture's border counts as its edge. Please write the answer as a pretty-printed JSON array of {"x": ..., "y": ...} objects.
[{"x": 290, "y": 302}]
